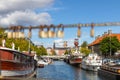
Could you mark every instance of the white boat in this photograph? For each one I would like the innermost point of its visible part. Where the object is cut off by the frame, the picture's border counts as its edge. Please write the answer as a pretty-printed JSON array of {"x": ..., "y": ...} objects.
[
  {"x": 91, "y": 62},
  {"x": 42, "y": 62}
]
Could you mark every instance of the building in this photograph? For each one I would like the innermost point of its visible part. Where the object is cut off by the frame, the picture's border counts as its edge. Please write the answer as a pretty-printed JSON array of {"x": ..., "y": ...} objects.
[
  {"x": 49, "y": 51},
  {"x": 95, "y": 45},
  {"x": 60, "y": 50}
]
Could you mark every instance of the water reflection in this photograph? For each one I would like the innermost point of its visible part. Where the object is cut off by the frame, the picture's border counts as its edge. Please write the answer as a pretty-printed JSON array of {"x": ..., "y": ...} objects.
[{"x": 60, "y": 70}]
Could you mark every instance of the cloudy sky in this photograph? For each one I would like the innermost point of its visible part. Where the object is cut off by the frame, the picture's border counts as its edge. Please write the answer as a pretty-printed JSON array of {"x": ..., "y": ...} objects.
[
  {"x": 36, "y": 12},
  {"x": 23, "y": 12}
]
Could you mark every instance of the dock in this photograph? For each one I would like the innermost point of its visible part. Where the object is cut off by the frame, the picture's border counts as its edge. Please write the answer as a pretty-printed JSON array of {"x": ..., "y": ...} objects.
[{"x": 110, "y": 72}]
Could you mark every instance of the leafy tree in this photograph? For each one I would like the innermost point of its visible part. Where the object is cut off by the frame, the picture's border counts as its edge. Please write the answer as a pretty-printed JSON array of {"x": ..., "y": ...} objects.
[
  {"x": 43, "y": 51},
  {"x": 85, "y": 51},
  {"x": 84, "y": 44},
  {"x": 66, "y": 52},
  {"x": 1, "y": 30},
  {"x": 109, "y": 44},
  {"x": 2, "y": 35},
  {"x": 84, "y": 48},
  {"x": 23, "y": 44},
  {"x": 38, "y": 51}
]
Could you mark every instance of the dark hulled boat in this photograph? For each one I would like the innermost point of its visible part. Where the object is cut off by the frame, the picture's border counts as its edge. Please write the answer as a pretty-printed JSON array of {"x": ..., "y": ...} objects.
[{"x": 15, "y": 64}]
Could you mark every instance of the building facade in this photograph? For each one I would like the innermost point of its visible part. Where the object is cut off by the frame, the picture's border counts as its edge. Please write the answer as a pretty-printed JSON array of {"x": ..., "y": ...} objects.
[{"x": 95, "y": 45}]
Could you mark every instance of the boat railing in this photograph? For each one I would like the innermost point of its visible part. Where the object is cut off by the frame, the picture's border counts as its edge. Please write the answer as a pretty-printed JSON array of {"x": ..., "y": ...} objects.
[{"x": 115, "y": 68}]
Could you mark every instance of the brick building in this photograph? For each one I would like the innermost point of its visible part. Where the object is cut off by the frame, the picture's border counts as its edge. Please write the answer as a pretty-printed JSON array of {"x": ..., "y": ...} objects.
[{"x": 61, "y": 50}]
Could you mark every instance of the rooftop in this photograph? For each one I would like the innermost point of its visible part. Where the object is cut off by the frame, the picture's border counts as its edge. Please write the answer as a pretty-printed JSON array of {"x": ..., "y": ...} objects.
[{"x": 100, "y": 38}]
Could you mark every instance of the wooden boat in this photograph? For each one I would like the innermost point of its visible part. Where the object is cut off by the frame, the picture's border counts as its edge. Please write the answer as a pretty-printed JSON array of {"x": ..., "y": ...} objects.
[{"x": 15, "y": 64}]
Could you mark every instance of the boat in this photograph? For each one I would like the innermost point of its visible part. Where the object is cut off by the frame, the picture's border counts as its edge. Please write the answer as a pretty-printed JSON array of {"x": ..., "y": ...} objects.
[
  {"x": 41, "y": 62},
  {"x": 75, "y": 58},
  {"x": 91, "y": 62},
  {"x": 14, "y": 63}
]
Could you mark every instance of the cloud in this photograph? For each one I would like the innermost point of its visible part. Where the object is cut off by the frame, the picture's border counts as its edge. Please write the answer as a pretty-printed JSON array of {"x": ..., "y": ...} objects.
[
  {"x": 25, "y": 18},
  {"x": 52, "y": 9},
  {"x": 13, "y": 5},
  {"x": 22, "y": 12},
  {"x": 58, "y": 40}
]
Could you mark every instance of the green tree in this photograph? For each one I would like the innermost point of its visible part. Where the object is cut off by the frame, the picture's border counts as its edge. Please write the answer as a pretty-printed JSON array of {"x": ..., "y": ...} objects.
[
  {"x": 85, "y": 51},
  {"x": 43, "y": 51},
  {"x": 66, "y": 52},
  {"x": 84, "y": 48},
  {"x": 23, "y": 44},
  {"x": 84, "y": 44},
  {"x": 3, "y": 35},
  {"x": 38, "y": 51},
  {"x": 109, "y": 45}
]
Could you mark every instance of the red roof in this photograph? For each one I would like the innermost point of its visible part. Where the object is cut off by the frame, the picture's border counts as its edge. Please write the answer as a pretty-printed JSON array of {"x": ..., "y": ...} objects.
[{"x": 99, "y": 39}]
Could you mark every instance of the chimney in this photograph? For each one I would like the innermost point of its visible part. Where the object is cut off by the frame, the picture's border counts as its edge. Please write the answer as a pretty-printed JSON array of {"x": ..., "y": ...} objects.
[
  {"x": 105, "y": 33},
  {"x": 98, "y": 36},
  {"x": 102, "y": 34},
  {"x": 109, "y": 31}
]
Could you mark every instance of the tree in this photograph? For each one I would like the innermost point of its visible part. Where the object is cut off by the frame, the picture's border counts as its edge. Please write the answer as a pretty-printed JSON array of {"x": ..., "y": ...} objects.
[
  {"x": 38, "y": 51},
  {"x": 22, "y": 44},
  {"x": 84, "y": 48},
  {"x": 2, "y": 34},
  {"x": 66, "y": 52},
  {"x": 43, "y": 51},
  {"x": 84, "y": 44},
  {"x": 109, "y": 45},
  {"x": 85, "y": 51}
]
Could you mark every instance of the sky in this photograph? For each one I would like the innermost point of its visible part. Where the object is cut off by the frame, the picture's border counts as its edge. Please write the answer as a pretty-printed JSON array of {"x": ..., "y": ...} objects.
[{"x": 40, "y": 12}]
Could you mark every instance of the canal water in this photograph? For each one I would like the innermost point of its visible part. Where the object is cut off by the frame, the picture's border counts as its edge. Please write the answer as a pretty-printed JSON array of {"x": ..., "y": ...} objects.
[{"x": 59, "y": 70}]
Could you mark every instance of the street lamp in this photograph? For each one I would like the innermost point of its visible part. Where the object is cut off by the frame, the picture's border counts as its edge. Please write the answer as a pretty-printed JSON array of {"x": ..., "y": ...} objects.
[
  {"x": 109, "y": 32},
  {"x": 29, "y": 50}
]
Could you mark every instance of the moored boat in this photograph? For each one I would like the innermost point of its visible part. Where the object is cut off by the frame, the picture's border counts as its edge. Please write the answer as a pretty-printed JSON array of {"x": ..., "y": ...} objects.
[
  {"x": 75, "y": 58},
  {"x": 16, "y": 64},
  {"x": 91, "y": 62},
  {"x": 41, "y": 63}
]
